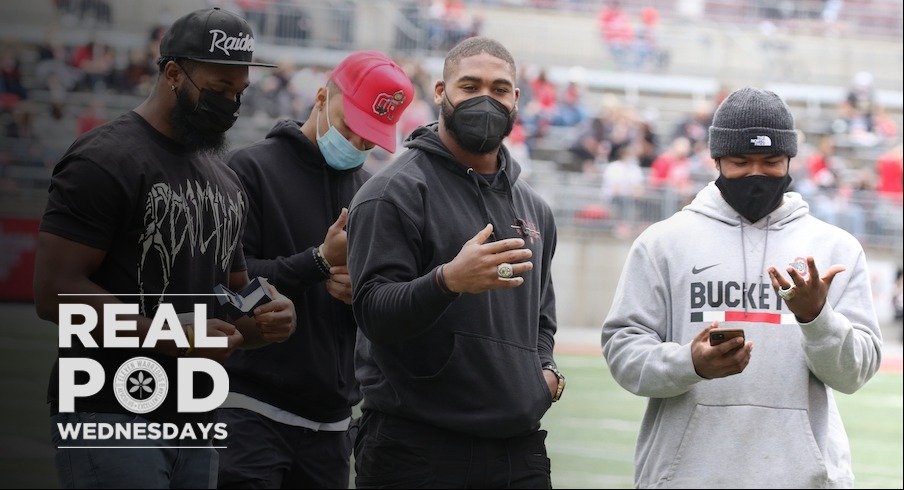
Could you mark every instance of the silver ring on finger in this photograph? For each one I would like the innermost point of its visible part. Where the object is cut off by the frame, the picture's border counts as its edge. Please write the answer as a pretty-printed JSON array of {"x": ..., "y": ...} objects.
[
  {"x": 505, "y": 270},
  {"x": 787, "y": 293}
]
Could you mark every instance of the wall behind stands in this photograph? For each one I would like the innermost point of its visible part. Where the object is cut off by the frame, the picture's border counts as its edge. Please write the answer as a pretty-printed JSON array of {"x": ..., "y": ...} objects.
[{"x": 736, "y": 54}]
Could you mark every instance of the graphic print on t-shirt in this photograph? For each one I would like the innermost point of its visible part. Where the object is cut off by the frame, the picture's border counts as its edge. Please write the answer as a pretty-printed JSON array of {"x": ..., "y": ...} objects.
[{"x": 188, "y": 221}]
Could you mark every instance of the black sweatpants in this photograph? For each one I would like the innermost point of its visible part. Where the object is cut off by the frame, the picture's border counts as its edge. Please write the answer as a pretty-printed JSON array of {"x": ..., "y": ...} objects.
[
  {"x": 392, "y": 452},
  {"x": 262, "y": 453}
]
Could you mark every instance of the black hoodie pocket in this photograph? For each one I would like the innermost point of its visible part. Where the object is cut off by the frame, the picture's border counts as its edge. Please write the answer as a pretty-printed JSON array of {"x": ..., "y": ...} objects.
[{"x": 488, "y": 387}]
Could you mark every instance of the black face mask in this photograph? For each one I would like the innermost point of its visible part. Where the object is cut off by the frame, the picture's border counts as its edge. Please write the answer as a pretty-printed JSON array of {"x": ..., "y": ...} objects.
[
  {"x": 479, "y": 124},
  {"x": 213, "y": 113},
  {"x": 186, "y": 131},
  {"x": 754, "y": 196}
]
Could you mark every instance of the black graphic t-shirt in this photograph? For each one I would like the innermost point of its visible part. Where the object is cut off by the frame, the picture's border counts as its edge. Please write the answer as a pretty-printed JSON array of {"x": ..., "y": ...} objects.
[{"x": 170, "y": 222}]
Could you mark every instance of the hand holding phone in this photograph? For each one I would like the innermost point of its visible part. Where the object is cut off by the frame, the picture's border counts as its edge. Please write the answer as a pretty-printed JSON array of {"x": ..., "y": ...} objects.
[
  {"x": 716, "y": 360},
  {"x": 721, "y": 335}
]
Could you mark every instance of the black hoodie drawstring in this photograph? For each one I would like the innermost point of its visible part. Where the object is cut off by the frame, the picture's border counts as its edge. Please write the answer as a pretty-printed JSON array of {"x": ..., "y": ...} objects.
[
  {"x": 483, "y": 203},
  {"x": 511, "y": 197}
]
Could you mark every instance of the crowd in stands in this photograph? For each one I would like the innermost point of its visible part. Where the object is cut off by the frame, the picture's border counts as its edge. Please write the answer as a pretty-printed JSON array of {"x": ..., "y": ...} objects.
[
  {"x": 821, "y": 17},
  {"x": 623, "y": 151},
  {"x": 627, "y": 151},
  {"x": 632, "y": 48},
  {"x": 38, "y": 115},
  {"x": 84, "y": 12}
]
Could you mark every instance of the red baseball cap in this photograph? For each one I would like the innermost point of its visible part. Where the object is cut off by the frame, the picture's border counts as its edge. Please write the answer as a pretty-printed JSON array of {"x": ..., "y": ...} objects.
[{"x": 375, "y": 92}]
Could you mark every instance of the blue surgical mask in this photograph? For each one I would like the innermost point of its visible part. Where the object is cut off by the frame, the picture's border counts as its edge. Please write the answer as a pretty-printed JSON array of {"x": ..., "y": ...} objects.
[{"x": 338, "y": 152}]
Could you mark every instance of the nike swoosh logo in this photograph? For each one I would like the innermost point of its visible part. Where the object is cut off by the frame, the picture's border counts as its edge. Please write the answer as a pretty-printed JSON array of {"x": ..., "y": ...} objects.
[{"x": 695, "y": 270}]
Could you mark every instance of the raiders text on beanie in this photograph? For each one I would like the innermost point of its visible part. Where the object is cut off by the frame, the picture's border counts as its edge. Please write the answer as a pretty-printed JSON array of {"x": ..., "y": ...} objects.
[{"x": 751, "y": 120}]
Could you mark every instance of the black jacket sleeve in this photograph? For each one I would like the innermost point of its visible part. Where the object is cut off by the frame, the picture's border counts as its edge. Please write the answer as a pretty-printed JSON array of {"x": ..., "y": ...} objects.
[
  {"x": 291, "y": 274},
  {"x": 394, "y": 298},
  {"x": 547, "y": 327}
]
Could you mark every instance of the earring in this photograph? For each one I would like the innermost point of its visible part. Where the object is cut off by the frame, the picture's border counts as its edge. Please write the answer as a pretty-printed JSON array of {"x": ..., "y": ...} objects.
[{"x": 173, "y": 88}]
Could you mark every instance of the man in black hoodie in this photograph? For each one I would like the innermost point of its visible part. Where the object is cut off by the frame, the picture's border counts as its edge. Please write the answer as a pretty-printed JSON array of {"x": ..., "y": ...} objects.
[
  {"x": 449, "y": 255},
  {"x": 289, "y": 405}
]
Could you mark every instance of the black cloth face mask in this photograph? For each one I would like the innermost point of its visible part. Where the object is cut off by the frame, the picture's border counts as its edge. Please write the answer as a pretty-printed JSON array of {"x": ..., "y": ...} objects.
[
  {"x": 213, "y": 113},
  {"x": 754, "y": 196},
  {"x": 479, "y": 124}
]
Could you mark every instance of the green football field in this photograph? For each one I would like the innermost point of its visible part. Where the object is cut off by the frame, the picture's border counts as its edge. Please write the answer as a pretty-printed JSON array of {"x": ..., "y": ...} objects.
[{"x": 591, "y": 430}]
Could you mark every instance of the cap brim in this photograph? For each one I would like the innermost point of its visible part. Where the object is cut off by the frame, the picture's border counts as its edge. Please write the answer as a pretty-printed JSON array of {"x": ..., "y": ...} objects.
[
  {"x": 365, "y": 126},
  {"x": 230, "y": 62}
]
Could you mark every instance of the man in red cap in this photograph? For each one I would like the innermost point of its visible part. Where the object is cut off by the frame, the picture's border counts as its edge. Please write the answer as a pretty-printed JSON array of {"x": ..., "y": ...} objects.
[{"x": 289, "y": 408}]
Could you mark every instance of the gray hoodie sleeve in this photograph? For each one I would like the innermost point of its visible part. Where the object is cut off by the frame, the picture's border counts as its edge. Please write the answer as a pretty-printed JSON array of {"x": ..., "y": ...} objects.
[
  {"x": 843, "y": 344},
  {"x": 636, "y": 333}
]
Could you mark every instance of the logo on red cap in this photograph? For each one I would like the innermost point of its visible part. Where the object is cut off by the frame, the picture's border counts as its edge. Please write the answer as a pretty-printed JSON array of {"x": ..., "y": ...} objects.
[{"x": 384, "y": 104}]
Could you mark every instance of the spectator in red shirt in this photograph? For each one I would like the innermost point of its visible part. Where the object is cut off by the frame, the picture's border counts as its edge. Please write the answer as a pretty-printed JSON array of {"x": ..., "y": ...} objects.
[
  {"x": 542, "y": 106},
  {"x": 890, "y": 170},
  {"x": 650, "y": 56},
  {"x": 820, "y": 164},
  {"x": 91, "y": 117},
  {"x": 544, "y": 92},
  {"x": 672, "y": 168},
  {"x": 617, "y": 33}
]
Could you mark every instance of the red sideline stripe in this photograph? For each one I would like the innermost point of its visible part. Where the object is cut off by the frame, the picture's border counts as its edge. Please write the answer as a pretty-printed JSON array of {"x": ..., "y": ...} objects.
[
  {"x": 740, "y": 316},
  {"x": 892, "y": 364}
]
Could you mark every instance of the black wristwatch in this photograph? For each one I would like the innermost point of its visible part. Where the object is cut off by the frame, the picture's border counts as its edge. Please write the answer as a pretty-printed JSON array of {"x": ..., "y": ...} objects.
[{"x": 561, "y": 377}]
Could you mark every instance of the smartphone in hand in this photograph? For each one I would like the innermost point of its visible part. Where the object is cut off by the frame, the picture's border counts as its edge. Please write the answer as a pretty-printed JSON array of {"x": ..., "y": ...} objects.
[{"x": 720, "y": 335}]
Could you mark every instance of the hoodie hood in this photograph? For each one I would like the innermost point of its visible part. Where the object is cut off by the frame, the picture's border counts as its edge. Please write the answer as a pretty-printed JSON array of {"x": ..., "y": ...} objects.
[
  {"x": 290, "y": 131},
  {"x": 710, "y": 203},
  {"x": 426, "y": 138}
]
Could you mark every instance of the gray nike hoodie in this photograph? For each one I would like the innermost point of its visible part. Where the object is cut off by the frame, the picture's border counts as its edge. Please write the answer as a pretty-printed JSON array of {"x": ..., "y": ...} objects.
[{"x": 776, "y": 423}]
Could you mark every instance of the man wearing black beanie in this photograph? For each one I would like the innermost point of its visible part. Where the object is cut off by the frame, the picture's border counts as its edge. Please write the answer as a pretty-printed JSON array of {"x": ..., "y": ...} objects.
[{"x": 772, "y": 414}]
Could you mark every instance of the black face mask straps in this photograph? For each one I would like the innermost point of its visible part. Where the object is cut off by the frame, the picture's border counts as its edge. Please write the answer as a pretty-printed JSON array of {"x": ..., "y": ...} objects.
[{"x": 213, "y": 112}]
